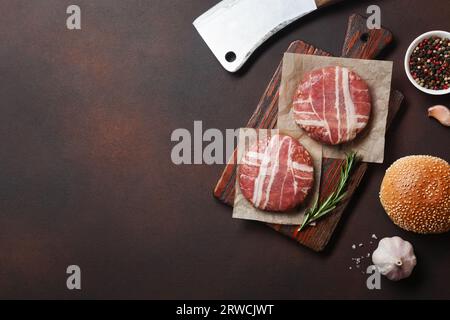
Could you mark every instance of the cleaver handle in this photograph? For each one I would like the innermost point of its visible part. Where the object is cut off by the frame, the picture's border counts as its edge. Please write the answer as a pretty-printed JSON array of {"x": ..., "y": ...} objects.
[{"x": 324, "y": 3}]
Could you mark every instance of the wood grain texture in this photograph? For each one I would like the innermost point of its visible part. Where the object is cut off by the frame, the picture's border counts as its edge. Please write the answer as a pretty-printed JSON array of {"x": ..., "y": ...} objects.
[
  {"x": 362, "y": 42},
  {"x": 323, "y": 3},
  {"x": 265, "y": 117}
]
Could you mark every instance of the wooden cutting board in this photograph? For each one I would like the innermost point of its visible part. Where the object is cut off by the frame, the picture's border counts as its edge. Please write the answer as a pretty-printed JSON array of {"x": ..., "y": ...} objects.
[{"x": 361, "y": 43}]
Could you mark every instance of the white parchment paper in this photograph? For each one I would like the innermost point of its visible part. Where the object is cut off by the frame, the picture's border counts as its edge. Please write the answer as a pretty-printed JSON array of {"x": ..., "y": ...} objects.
[
  {"x": 369, "y": 144},
  {"x": 243, "y": 209}
]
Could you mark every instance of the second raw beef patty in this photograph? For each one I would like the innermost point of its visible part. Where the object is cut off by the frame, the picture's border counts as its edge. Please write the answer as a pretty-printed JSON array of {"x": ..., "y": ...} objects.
[
  {"x": 332, "y": 105},
  {"x": 276, "y": 174}
]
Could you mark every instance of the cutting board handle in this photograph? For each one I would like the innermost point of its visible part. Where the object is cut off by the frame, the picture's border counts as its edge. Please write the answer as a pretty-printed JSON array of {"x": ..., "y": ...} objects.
[{"x": 363, "y": 43}]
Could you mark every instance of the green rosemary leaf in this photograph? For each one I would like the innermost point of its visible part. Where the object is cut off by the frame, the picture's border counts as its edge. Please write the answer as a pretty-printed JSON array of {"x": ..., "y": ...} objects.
[{"x": 318, "y": 210}]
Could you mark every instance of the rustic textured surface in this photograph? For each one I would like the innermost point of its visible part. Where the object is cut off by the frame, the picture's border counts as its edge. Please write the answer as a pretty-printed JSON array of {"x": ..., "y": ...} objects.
[{"x": 85, "y": 171}]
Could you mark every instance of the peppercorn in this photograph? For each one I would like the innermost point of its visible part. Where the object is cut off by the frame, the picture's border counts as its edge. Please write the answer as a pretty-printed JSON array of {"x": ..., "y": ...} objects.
[{"x": 430, "y": 63}]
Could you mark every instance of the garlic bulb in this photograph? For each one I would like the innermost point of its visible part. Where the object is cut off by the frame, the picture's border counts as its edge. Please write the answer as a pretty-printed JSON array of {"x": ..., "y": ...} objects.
[
  {"x": 394, "y": 258},
  {"x": 441, "y": 114}
]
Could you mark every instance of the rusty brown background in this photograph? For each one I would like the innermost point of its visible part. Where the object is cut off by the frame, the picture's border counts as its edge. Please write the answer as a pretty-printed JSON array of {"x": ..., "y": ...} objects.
[{"x": 85, "y": 170}]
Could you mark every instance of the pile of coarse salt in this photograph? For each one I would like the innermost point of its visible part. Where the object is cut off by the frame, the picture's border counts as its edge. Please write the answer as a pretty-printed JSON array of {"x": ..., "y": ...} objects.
[{"x": 359, "y": 259}]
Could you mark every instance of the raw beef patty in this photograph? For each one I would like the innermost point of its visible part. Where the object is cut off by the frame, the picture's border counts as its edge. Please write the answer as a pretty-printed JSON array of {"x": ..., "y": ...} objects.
[
  {"x": 276, "y": 174},
  {"x": 332, "y": 105}
]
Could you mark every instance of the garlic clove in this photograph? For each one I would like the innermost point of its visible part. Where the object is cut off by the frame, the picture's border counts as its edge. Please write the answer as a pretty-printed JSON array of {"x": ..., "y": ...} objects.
[{"x": 440, "y": 113}]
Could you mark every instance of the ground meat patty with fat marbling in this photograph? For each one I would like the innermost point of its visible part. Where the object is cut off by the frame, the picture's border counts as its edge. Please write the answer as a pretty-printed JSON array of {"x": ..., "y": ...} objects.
[
  {"x": 276, "y": 174},
  {"x": 332, "y": 105}
]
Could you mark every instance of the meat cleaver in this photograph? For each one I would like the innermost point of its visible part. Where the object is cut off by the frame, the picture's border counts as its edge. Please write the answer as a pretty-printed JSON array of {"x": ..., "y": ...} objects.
[{"x": 234, "y": 29}]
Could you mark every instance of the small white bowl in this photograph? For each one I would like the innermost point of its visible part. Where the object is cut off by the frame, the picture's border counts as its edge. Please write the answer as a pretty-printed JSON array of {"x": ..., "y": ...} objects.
[{"x": 413, "y": 45}]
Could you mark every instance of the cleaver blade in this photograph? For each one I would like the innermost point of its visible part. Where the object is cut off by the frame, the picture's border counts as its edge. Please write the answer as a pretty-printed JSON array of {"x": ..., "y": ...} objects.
[{"x": 234, "y": 29}]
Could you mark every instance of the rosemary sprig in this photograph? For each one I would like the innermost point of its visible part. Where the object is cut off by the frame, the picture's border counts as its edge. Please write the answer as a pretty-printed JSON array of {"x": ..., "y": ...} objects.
[{"x": 318, "y": 210}]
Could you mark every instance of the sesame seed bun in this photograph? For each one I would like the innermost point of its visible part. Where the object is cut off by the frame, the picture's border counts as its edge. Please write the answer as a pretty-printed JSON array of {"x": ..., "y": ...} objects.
[{"x": 415, "y": 193}]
